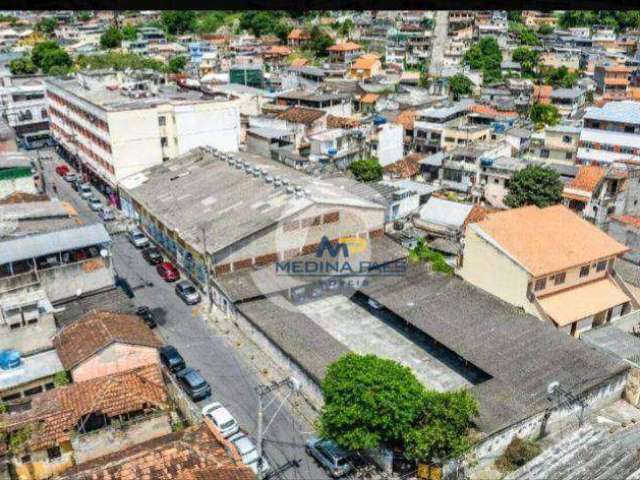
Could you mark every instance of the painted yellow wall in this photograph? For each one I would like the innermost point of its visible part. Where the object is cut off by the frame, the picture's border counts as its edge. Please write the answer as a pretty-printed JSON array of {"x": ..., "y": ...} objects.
[
  {"x": 41, "y": 468},
  {"x": 487, "y": 268},
  {"x": 572, "y": 279}
]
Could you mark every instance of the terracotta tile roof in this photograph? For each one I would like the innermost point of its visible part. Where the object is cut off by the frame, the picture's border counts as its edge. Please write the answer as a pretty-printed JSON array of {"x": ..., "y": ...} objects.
[
  {"x": 365, "y": 62},
  {"x": 547, "y": 240},
  {"x": 299, "y": 62},
  {"x": 542, "y": 93},
  {"x": 632, "y": 220},
  {"x": 582, "y": 301},
  {"x": 587, "y": 178},
  {"x": 369, "y": 98},
  {"x": 196, "y": 453},
  {"x": 487, "y": 110},
  {"x": 302, "y": 115},
  {"x": 334, "y": 121},
  {"x": 406, "y": 118},
  {"x": 616, "y": 81},
  {"x": 344, "y": 47},
  {"x": 479, "y": 213},
  {"x": 278, "y": 50},
  {"x": 406, "y": 167},
  {"x": 55, "y": 414},
  {"x": 298, "y": 34},
  {"x": 97, "y": 330}
]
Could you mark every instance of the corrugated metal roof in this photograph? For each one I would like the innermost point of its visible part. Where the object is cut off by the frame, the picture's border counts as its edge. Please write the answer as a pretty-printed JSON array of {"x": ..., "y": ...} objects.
[
  {"x": 38, "y": 245},
  {"x": 624, "y": 112}
]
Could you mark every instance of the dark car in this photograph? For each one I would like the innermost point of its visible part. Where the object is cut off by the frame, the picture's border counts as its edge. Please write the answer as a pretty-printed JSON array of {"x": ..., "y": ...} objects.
[
  {"x": 145, "y": 314},
  {"x": 172, "y": 359},
  {"x": 330, "y": 456},
  {"x": 152, "y": 255},
  {"x": 168, "y": 272},
  {"x": 192, "y": 382},
  {"x": 187, "y": 293}
]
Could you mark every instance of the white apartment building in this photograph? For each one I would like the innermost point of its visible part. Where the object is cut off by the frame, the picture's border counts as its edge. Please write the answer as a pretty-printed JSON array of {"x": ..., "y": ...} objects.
[
  {"x": 610, "y": 133},
  {"x": 112, "y": 127},
  {"x": 23, "y": 103}
]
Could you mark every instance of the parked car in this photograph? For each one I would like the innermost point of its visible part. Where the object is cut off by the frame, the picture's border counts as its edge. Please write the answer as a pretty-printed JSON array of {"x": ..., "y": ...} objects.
[
  {"x": 249, "y": 454},
  {"x": 330, "y": 456},
  {"x": 152, "y": 255},
  {"x": 147, "y": 316},
  {"x": 221, "y": 418},
  {"x": 85, "y": 191},
  {"x": 138, "y": 239},
  {"x": 62, "y": 169},
  {"x": 76, "y": 183},
  {"x": 106, "y": 214},
  {"x": 95, "y": 204},
  {"x": 168, "y": 272},
  {"x": 192, "y": 382},
  {"x": 187, "y": 293},
  {"x": 172, "y": 358},
  {"x": 70, "y": 177}
]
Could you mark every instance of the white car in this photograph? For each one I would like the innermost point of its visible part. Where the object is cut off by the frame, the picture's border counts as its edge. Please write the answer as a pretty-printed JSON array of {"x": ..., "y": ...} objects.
[
  {"x": 138, "y": 239},
  {"x": 85, "y": 191},
  {"x": 95, "y": 204},
  {"x": 221, "y": 418},
  {"x": 249, "y": 454}
]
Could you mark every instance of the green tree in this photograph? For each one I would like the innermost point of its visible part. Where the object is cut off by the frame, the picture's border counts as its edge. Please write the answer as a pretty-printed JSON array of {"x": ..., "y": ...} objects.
[
  {"x": 210, "y": 22},
  {"x": 346, "y": 27},
  {"x": 366, "y": 170},
  {"x": 460, "y": 85},
  {"x": 61, "y": 379},
  {"x": 178, "y": 22},
  {"x": 177, "y": 64},
  {"x": 319, "y": 41},
  {"x": 485, "y": 56},
  {"x": 111, "y": 38},
  {"x": 46, "y": 26},
  {"x": 525, "y": 35},
  {"x": 527, "y": 58},
  {"x": 369, "y": 401},
  {"x": 544, "y": 114},
  {"x": 55, "y": 58},
  {"x": 545, "y": 29},
  {"x": 40, "y": 49},
  {"x": 282, "y": 28},
  {"x": 422, "y": 253},
  {"x": 514, "y": 16},
  {"x": 59, "y": 71},
  {"x": 558, "y": 77},
  {"x": 22, "y": 66},
  {"x": 84, "y": 16},
  {"x": 129, "y": 33},
  {"x": 534, "y": 185},
  {"x": 118, "y": 61}
]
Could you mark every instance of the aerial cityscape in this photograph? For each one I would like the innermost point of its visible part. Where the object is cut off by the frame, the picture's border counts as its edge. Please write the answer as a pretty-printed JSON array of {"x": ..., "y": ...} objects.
[{"x": 304, "y": 245}]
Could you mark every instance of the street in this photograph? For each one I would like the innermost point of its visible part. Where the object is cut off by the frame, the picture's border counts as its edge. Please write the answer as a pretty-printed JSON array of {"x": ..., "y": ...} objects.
[{"x": 232, "y": 379}]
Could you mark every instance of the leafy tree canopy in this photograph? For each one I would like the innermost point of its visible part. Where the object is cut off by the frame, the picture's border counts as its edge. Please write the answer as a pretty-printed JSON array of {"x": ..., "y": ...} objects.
[
  {"x": 118, "y": 61},
  {"x": 534, "y": 185},
  {"x": 22, "y": 66},
  {"x": 485, "y": 56},
  {"x": 367, "y": 170},
  {"x": 177, "y": 64},
  {"x": 558, "y": 77},
  {"x": 178, "y": 22},
  {"x": 46, "y": 26},
  {"x": 460, "y": 85},
  {"x": 111, "y": 38},
  {"x": 527, "y": 58},
  {"x": 46, "y": 55}
]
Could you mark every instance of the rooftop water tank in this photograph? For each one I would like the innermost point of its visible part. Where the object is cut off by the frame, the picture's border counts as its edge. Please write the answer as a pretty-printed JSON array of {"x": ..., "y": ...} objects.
[{"x": 9, "y": 359}]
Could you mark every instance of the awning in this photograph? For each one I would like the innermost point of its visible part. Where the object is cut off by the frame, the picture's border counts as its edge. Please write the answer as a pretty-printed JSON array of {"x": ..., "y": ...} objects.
[{"x": 582, "y": 301}]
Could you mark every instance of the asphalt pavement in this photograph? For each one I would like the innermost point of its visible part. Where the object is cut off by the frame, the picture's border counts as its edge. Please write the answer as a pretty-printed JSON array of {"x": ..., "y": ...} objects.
[{"x": 233, "y": 381}]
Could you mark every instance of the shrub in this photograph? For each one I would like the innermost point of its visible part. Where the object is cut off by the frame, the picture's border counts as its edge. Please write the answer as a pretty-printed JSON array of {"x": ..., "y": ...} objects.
[{"x": 518, "y": 453}]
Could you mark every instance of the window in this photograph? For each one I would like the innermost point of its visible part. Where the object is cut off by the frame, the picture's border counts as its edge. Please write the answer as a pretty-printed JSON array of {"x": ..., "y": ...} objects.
[
  {"x": 33, "y": 391},
  {"x": 568, "y": 155},
  {"x": 601, "y": 266},
  {"x": 44, "y": 113},
  {"x": 584, "y": 271},
  {"x": 163, "y": 141},
  {"x": 49, "y": 386},
  {"x": 162, "y": 121},
  {"x": 559, "y": 278},
  {"x": 566, "y": 139},
  {"x": 628, "y": 129},
  {"x": 25, "y": 459},
  {"x": 544, "y": 153},
  {"x": 10, "y": 398},
  {"x": 540, "y": 284},
  {"x": 54, "y": 453}
]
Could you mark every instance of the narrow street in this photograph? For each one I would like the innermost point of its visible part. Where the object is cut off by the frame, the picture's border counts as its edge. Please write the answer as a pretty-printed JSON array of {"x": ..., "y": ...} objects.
[
  {"x": 438, "y": 42},
  {"x": 232, "y": 380}
]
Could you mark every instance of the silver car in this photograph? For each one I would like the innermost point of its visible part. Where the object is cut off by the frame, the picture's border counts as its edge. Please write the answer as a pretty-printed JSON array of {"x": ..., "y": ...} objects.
[
  {"x": 330, "y": 456},
  {"x": 85, "y": 191},
  {"x": 187, "y": 293},
  {"x": 221, "y": 418},
  {"x": 249, "y": 454},
  {"x": 138, "y": 239},
  {"x": 95, "y": 204}
]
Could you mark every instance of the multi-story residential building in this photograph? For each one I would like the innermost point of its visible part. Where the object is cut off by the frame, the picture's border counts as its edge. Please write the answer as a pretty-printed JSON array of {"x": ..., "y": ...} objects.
[
  {"x": 549, "y": 262},
  {"x": 612, "y": 81},
  {"x": 556, "y": 144},
  {"x": 610, "y": 133},
  {"x": 23, "y": 103},
  {"x": 344, "y": 52},
  {"x": 568, "y": 101},
  {"x": 430, "y": 123},
  {"x": 92, "y": 118}
]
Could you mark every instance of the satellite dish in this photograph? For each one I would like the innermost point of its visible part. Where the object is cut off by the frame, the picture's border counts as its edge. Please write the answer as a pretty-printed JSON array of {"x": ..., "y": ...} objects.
[
  {"x": 104, "y": 253},
  {"x": 552, "y": 387}
]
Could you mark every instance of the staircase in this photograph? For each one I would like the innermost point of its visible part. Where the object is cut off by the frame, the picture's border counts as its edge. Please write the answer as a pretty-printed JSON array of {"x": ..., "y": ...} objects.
[{"x": 438, "y": 42}]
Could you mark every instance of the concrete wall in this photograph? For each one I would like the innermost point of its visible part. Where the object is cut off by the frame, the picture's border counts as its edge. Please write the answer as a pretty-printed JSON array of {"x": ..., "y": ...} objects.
[
  {"x": 486, "y": 267},
  {"x": 24, "y": 184},
  {"x": 116, "y": 358},
  {"x": 572, "y": 278},
  {"x": 390, "y": 144},
  {"x": 215, "y": 124},
  {"x": 628, "y": 235},
  {"x": 77, "y": 279},
  {"x": 40, "y": 467},
  {"x": 110, "y": 440},
  {"x": 600, "y": 396}
]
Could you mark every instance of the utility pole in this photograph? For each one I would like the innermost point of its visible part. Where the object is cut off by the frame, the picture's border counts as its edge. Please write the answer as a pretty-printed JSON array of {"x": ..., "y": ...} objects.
[
  {"x": 263, "y": 391},
  {"x": 207, "y": 267}
]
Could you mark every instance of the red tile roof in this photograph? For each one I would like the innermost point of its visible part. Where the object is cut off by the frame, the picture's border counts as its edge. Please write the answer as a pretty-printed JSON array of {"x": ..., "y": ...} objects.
[
  {"x": 344, "y": 47},
  {"x": 406, "y": 167},
  {"x": 302, "y": 115},
  {"x": 298, "y": 34},
  {"x": 55, "y": 414},
  {"x": 97, "y": 330},
  {"x": 632, "y": 220},
  {"x": 587, "y": 178}
]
